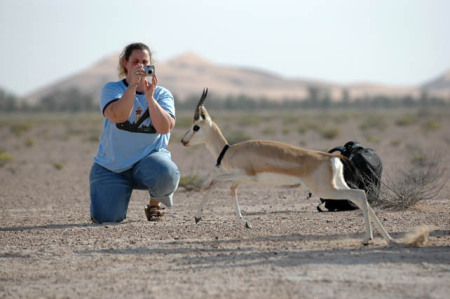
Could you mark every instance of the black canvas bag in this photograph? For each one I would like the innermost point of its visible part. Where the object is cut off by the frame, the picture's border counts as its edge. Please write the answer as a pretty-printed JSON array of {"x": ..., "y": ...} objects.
[{"x": 362, "y": 170}]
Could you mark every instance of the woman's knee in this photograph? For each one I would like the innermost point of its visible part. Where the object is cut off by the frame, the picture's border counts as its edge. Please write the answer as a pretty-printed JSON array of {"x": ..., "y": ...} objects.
[
  {"x": 167, "y": 181},
  {"x": 108, "y": 208},
  {"x": 110, "y": 194},
  {"x": 156, "y": 171},
  {"x": 100, "y": 216}
]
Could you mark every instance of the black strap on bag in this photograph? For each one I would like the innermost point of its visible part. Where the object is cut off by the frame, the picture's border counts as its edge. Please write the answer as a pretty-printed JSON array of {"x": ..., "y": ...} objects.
[{"x": 362, "y": 170}]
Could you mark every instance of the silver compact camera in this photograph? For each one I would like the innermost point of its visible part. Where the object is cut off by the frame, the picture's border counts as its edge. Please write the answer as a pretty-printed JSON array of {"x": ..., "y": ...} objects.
[{"x": 149, "y": 70}]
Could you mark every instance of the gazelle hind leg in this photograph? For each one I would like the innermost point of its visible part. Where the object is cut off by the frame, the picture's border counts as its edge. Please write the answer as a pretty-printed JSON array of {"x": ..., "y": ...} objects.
[
  {"x": 358, "y": 197},
  {"x": 236, "y": 204},
  {"x": 340, "y": 182},
  {"x": 363, "y": 204},
  {"x": 380, "y": 226},
  {"x": 360, "y": 200}
]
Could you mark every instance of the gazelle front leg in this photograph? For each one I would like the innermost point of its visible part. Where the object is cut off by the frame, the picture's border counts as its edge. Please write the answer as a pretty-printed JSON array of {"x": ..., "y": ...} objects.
[
  {"x": 238, "y": 209},
  {"x": 226, "y": 177},
  {"x": 236, "y": 177},
  {"x": 199, "y": 213}
]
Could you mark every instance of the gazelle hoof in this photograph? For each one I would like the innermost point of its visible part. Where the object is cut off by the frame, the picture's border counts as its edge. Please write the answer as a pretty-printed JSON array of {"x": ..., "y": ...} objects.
[
  {"x": 396, "y": 244},
  {"x": 248, "y": 225},
  {"x": 197, "y": 219}
]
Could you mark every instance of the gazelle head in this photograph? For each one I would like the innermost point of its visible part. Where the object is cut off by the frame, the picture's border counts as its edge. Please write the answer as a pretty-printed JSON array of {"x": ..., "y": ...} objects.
[{"x": 198, "y": 132}]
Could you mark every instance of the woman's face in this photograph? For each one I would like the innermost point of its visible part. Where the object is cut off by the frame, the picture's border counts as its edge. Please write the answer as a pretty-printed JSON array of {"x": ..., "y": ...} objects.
[{"x": 141, "y": 57}]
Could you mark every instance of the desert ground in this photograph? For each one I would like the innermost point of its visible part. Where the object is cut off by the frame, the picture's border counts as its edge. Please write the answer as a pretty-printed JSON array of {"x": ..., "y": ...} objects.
[{"x": 50, "y": 249}]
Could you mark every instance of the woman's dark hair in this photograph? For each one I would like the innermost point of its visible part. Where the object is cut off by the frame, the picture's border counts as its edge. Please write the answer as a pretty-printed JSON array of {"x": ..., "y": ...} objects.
[{"x": 126, "y": 53}]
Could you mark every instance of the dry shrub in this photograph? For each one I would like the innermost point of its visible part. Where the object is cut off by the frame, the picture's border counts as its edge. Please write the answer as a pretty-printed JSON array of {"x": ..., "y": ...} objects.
[
  {"x": 423, "y": 179},
  {"x": 191, "y": 182},
  {"x": 330, "y": 133},
  {"x": 431, "y": 125},
  {"x": 19, "y": 128},
  {"x": 406, "y": 120},
  {"x": 374, "y": 122},
  {"x": 238, "y": 136},
  {"x": 268, "y": 130}
]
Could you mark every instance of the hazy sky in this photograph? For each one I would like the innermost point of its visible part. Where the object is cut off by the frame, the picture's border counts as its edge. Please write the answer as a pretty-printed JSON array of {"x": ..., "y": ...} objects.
[{"x": 398, "y": 42}]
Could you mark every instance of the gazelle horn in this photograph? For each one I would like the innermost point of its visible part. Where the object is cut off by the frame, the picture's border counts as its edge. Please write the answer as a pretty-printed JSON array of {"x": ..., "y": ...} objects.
[{"x": 200, "y": 103}]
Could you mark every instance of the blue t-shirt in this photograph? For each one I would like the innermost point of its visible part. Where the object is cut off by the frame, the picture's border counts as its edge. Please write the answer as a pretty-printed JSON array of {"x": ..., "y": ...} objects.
[{"x": 122, "y": 145}]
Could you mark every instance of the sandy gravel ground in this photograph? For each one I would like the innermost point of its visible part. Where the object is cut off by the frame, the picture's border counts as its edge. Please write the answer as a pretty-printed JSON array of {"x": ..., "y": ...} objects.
[{"x": 49, "y": 248}]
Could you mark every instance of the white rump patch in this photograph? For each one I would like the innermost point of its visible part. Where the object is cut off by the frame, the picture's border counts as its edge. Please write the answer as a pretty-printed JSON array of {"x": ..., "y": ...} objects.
[{"x": 338, "y": 173}]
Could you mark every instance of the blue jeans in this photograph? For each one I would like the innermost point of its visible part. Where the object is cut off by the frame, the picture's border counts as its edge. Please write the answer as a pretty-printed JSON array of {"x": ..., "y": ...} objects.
[{"x": 111, "y": 191}]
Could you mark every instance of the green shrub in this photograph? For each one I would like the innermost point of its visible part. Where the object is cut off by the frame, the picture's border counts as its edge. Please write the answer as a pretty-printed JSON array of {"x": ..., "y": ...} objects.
[
  {"x": 58, "y": 166},
  {"x": 302, "y": 128},
  {"x": 330, "y": 133},
  {"x": 431, "y": 125},
  {"x": 190, "y": 182},
  {"x": 19, "y": 128},
  {"x": 268, "y": 131},
  {"x": 285, "y": 130},
  {"x": 250, "y": 120},
  {"x": 372, "y": 138},
  {"x": 238, "y": 136},
  {"x": 290, "y": 119},
  {"x": 373, "y": 122},
  {"x": 184, "y": 122},
  {"x": 395, "y": 142},
  {"x": 29, "y": 142},
  {"x": 5, "y": 158},
  {"x": 406, "y": 120}
]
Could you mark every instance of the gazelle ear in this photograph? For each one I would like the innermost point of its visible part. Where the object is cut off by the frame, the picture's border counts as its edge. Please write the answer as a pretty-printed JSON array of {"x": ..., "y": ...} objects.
[{"x": 204, "y": 114}]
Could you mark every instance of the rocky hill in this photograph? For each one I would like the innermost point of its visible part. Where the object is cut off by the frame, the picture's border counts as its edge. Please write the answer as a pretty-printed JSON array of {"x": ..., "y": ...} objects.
[{"x": 189, "y": 73}]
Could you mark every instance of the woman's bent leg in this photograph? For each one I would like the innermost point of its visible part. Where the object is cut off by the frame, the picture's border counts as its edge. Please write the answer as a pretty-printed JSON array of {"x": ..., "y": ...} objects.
[
  {"x": 110, "y": 194},
  {"x": 159, "y": 174}
]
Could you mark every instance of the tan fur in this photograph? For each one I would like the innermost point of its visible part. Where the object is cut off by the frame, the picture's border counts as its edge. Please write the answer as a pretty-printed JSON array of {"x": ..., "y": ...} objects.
[
  {"x": 268, "y": 156},
  {"x": 269, "y": 162}
]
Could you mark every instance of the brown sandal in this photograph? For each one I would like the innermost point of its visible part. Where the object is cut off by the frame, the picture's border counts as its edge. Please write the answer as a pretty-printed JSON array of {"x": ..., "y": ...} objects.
[{"x": 154, "y": 213}]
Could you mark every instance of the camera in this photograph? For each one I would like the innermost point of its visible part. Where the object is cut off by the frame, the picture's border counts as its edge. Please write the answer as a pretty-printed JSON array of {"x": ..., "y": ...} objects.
[{"x": 149, "y": 70}]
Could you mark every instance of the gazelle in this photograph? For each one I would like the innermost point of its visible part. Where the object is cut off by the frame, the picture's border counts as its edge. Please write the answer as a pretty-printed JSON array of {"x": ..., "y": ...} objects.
[{"x": 268, "y": 162}]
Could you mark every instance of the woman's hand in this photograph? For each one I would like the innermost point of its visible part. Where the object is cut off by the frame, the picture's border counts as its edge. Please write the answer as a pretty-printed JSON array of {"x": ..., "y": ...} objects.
[
  {"x": 137, "y": 74},
  {"x": 161, "y": 119},
  {"x": 151, "y": 87}
]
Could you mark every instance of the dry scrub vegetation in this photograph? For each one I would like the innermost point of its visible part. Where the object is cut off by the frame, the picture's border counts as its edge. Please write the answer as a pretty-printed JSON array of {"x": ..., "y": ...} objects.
[
  {"x": 415, "y": 142},
  {"x": 420, "y": 175},
  {"x": 50, "y": 249}
]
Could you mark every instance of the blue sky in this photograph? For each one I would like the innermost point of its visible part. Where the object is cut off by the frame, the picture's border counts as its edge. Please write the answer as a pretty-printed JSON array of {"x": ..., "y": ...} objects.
[{"x": 396, "y": 42}]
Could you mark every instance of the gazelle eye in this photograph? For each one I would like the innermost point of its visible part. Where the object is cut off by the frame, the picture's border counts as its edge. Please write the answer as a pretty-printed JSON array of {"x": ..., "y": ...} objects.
[{"x": 196, "y": 128}]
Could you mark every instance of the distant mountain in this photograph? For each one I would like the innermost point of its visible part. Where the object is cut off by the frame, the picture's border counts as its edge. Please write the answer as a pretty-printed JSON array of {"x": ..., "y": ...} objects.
[
  {"x": 188, "y": 74},
  {"x": 439, "y": 85}
]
